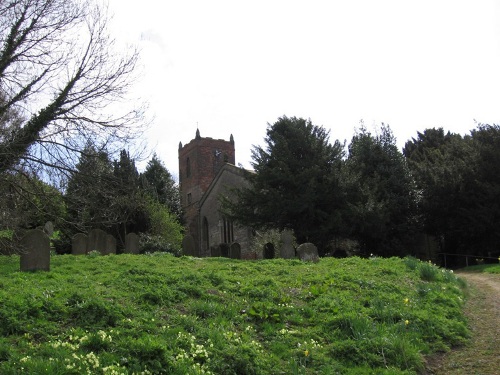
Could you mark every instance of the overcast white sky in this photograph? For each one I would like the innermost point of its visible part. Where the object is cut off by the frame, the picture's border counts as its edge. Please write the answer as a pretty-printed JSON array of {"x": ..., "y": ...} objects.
[{"x": 234, "y": 66}]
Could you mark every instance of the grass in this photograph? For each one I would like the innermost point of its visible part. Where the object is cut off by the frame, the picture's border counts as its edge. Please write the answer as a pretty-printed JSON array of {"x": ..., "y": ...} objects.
[
  {"x": 157, "y": 314},
  {"x": 484, "y": 268}
]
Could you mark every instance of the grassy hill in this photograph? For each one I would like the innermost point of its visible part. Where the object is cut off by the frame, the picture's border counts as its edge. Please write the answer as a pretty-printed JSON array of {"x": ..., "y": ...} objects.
[{"x": 156, "y": 314}]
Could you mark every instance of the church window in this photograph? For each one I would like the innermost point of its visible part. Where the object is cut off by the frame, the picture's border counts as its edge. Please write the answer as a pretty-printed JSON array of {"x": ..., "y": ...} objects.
[
  {"x": 227, "y": 233},
  {"x": 188, "y": 167}
]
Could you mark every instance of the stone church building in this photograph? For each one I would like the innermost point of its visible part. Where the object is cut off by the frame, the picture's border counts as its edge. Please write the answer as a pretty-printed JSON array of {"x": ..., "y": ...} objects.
[{"x": 207, "y": 170}]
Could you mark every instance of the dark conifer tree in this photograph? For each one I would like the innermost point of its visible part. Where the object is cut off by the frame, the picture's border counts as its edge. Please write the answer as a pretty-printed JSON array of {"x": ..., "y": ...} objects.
[{"x": 295, "y": 183}]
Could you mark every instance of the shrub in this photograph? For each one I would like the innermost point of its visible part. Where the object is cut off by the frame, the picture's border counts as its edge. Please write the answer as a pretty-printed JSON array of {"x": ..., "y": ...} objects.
[{"x": 155, "y": 243}]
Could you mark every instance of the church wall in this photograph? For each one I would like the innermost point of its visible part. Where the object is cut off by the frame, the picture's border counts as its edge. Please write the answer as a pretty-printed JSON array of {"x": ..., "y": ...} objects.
[{"x": 210, "y": 210}]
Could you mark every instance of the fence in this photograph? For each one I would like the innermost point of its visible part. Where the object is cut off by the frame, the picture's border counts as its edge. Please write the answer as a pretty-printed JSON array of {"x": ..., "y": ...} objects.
[{"x": 476, "y": 259}]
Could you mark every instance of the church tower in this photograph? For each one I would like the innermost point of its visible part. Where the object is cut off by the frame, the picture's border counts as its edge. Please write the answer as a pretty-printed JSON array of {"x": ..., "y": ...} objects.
[{"x": 199, "y": 162}]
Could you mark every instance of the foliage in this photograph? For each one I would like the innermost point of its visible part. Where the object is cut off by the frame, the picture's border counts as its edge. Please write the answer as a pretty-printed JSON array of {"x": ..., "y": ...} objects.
[
  {"x": 459, "y": 187},
  {"x": 381, "y": 206},
  {"x": 160, "y": 185},
  {"x": 165, "y": 224},
  {"x": 90, "y": 192},
  {"x": 486, "y": 268},
  {"x": 28, "y": 202},
  {"x": 295, "y": 184},
  {"x": 109, "y": 196},
  {"x": 159, "y": 314},
  {"x": 60, "y": 74}
]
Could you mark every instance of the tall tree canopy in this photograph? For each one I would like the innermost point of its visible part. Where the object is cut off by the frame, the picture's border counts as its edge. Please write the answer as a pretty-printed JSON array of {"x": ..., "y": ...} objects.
[
  {"x": 459, "y": 187},
  {"x": 61, "y": 76},
  {"x": 295, "y": 183},
  {"x": 160, "y": 185},
  {"x": 381, "y": 208}
]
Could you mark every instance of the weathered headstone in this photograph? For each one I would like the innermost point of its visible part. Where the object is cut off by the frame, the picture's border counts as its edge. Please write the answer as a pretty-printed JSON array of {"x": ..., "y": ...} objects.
[
  {"x": 132, "y": 243},
  {"x": 188, "y": 245},
  {"x": 308, "y": 252},
  {"x": 79, "y": 244},
  {"x": 268, "y": 251},
  {"x": 215, "y": 251},
  {"x": 110, "y": 245},
  {"x": 235, "y": 251},
  {"x": 96, "y": 241},
  {"x": 35, "y": 251},
  {"x": 48, "y": 228},
  {"x": 287, "y": 251}
]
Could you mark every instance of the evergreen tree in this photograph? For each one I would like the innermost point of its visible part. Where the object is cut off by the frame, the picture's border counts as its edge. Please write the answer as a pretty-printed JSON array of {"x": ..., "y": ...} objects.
[
  {"x": 296, "y": 183},
  {"x": 381, "y": 208},
  {"x": 160, "y": 185},
  {"x": 444, "y": 169},
  {"x": 90, "y": 193}
]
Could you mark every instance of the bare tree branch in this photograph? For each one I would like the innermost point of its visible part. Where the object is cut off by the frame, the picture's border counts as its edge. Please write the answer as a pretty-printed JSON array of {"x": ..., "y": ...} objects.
[{"x": 60, "y": 74}]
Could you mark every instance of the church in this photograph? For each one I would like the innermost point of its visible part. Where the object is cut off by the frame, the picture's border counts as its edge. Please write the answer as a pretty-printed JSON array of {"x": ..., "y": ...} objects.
[{"x": 207, "y": 170}]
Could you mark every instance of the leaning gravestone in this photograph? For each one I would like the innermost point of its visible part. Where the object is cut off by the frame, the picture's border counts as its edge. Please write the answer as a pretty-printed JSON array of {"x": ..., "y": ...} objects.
[
  {"x": 110, "y": 245},
  {"x": 235, "y": 251},
  {"x": 131, "y": 243},
  {"x": 79, "y": 244},
  {"x": 96, "y": 241},
  {"x": 308, "y": 252},
  {"x": 188, "y": 245},
  {"x": 35, "y": 251},
  {"x": 287, "y": 251}
]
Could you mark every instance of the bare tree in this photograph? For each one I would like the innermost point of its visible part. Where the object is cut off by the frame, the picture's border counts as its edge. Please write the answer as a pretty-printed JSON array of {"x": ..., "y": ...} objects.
[{"x": 62, "y": 83}]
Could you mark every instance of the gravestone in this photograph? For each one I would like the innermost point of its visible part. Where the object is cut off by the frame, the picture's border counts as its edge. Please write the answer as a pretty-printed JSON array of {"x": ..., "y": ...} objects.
[
  {"x": 268, "y": 251},
  {"x": 96, "y": 241},
  {"x": 215, "y": 251},
  {"x": 224, "y": 250},
  {"x": 35, "y": 251},
  {"x": 110, "y": 245},
  {"x": 48, "y": 228},
  {"x": 235, "y": 251},
  {"x": 132, "y": 243},
  {"x": 287, "y": 251},
  {"x": 188, "y": 245},
  {"x": 308, "y": 252},
  {"x": 79, "y": 244}
]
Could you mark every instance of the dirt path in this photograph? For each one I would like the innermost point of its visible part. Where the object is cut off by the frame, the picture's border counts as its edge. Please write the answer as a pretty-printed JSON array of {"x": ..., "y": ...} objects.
[{"x": 482, "y": 356}]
